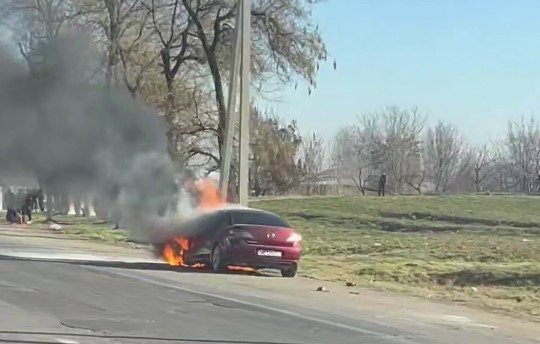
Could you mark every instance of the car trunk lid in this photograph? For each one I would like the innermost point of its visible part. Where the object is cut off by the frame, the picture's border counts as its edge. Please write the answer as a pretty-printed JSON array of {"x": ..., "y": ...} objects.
[{"x": 268, "y": 235}]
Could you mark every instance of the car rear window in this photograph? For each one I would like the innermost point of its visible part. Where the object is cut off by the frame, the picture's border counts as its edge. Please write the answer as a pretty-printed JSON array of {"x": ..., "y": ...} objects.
[{"x": 257, "y": 218}]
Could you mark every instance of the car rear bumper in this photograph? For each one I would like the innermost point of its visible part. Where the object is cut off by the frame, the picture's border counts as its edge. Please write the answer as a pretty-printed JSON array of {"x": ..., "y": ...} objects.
[
  {"x": 244, "y": 254},
  {"x": 264, "y": 264}
]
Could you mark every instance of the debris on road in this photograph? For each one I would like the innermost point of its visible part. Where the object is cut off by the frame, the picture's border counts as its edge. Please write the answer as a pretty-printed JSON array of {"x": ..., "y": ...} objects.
[{"x": 55, "y": 227}]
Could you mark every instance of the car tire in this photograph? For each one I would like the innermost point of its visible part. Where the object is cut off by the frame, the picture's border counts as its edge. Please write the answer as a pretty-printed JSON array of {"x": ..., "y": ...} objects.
[
  {"x": 218, "y": 265},
  {"x": 289, "y": 272}
]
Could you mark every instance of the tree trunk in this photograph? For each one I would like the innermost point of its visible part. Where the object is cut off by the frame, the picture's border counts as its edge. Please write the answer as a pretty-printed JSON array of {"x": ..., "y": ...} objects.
[
  {"x": 77, "y": 204},
  {"x": 170, "y": 108},
  {"x": 86, "y": 209},
  {"x": 112, "y": 8},
  {"x": 49, "y": 206},
  {"x": 220, "y": 99}
]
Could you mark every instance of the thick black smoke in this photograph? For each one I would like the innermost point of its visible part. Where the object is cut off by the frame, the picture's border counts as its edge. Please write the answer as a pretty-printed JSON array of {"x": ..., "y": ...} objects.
[{"x": 68, "y": 132}]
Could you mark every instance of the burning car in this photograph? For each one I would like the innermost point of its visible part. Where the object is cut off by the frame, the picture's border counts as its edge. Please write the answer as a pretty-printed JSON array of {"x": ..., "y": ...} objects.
[{"x": 242, "y": 237}]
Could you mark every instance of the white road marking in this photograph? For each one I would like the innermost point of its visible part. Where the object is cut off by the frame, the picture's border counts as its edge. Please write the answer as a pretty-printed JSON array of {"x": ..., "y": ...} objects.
[
  {"x": 66, "y": 341},
  {"x": 75, "y": 257},
  {"x": 464, "y": 320}
]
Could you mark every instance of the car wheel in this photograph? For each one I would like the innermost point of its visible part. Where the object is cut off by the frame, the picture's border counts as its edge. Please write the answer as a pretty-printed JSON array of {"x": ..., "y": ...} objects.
[
  {"x": 218, "y": 265},
  {"x": 289, "y": 272}
]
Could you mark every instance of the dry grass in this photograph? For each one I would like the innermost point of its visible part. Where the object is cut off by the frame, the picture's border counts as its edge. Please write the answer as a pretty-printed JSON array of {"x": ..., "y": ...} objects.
[
  {"x": 83, "y": 228},
  {"x": 476, "y": 249}
]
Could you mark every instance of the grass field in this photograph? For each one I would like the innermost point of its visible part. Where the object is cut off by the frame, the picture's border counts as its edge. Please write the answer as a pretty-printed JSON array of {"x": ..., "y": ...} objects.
[{"x": 478, "y": 250}]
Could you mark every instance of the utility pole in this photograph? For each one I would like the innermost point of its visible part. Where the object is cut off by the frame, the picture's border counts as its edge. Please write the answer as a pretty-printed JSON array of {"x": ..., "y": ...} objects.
[
  {"x": 227, "y": 149},
  {"x": 240, "y": 69}
]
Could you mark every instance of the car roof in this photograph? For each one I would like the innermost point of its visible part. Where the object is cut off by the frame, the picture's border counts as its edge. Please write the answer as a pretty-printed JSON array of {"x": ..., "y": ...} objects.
[{"x": 234, "y": 208}]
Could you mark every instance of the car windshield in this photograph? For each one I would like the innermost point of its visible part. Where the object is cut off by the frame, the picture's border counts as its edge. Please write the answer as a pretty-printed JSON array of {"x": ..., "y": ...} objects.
[{"x": 258, "y": 218}]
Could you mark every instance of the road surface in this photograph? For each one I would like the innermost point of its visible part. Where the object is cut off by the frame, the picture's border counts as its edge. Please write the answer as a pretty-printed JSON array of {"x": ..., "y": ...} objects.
[{"x": 69, "y": 291}]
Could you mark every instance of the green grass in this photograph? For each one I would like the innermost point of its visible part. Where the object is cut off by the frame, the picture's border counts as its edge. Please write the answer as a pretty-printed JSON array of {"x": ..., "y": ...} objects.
[{"x": 475, "y": 249}]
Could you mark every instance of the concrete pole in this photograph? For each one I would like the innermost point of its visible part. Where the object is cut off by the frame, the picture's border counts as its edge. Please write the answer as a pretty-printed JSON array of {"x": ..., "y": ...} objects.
[
  {"x": 243, "y": 191},
  {"x": 227, "y": 150}
]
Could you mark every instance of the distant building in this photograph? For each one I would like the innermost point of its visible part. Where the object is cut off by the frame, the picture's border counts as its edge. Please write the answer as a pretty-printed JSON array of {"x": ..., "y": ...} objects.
[{"x": 328, "y": 184}]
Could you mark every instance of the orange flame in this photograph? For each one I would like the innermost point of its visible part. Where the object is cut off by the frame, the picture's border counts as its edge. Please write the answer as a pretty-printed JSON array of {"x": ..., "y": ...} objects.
[
  {"x": 209, "y": 195},
  {"x": 241, "y": 269},
  {"x": 174, "y": 252}
]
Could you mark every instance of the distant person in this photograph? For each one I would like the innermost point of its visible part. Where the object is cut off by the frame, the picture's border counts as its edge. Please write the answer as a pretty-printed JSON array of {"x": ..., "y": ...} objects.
[
  {"x": 112, "y": 195},
  {"x": 27, "y": 205},
  {"x": 37, "y": 200},
  {"x": 13, "y": 216},
  {"x": 40, "y": 200},
  {"x": 382, "y": 184}
]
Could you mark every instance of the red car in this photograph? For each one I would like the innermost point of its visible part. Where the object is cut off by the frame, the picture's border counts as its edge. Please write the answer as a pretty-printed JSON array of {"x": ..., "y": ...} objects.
[{"x": 243, "y": 237}]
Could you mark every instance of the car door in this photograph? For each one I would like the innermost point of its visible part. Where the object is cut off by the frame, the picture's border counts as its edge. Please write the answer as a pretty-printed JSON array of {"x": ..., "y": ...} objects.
[
  {"x": 225, "y": 225},
  {"x": 213, "y": 226}
]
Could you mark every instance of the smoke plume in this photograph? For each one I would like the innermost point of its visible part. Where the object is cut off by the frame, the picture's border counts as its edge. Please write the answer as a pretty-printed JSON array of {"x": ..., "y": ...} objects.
[{"x": 65, "y": 130}]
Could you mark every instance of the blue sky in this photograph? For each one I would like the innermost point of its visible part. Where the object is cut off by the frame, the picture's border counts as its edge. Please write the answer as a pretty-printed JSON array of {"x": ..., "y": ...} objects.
[{"x": 475, "y": 63}]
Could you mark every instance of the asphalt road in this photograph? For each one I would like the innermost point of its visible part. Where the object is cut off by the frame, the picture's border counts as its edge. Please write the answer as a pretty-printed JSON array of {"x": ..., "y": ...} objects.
[
  {"x": 101, "y": 306},
  {"x": 48, "y": 297}
]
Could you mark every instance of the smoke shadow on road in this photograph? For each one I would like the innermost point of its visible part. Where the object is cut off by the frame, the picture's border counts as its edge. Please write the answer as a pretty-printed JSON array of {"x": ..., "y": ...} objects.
[
  {"x": 128, "y": 265},
  {"x": 122, "y": 337}
]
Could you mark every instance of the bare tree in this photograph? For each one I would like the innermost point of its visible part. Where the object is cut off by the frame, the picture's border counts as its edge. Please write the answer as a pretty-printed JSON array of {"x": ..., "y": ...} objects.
[
  {"x": 121, "y": 28},
  {"x": 443, "y": 152},
  {"x": 388, "y": 141},
  {"x": 523, "y": 153},
  {"x": 391, "y": 141},
  {"x": 416, "y": 178},
  {"x": 350, "y": 156},
  {"x": 312, "y": 161},
  {"x": 285, "y": 43},
  {"x": 195, "y": 41},
  {"x": 34, "y": 22},
  {"x": 482, "y": 162}
]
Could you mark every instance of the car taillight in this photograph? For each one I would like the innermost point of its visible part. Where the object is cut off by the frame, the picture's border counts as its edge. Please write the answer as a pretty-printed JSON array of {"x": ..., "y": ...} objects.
[
  {"x": 239, "y": 234},
  {"x": 295, "y": 237}
]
